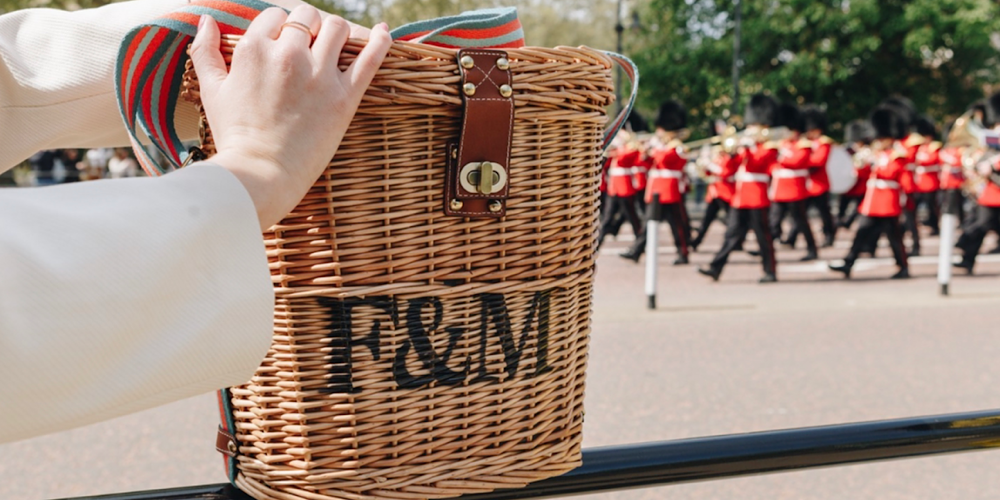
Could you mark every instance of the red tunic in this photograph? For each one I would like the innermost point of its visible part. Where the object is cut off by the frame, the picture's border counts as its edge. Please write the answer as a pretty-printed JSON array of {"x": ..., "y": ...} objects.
[
  {"x": 604, "y": 175},
  {"x": 911, "y": 146},
  {"x": 752, "y": 176},
  {"x": 952, "y": 176},
  {"x": 790, "y": 172},
  {"x": 723, "y": 184},
  {"x": 819, "y": 181},
  {"x": 863, "y": 171},
  {"x": 990, "y": 196},
  {"x": 882, "y": 197},
  {"x": 666, "y": 175},
  {"x": 640, "y": 171},
  {"x": 928, "y": 168},
  {"x": 620, "y": 174}
]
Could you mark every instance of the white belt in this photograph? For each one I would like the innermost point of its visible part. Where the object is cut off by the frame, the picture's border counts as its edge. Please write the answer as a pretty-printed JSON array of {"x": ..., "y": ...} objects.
[
  {"x": 639, "y": 170},
  {"x": 619, "y": 171},
  {"x": 928, "y": 170},
  {"x": 788, "y": 173},
  {"x": 712, "y": 179},
  {"x": 662, "y": 173},
  {"x": 749, "y": 177},
  {"x": 882, "y": 184}
]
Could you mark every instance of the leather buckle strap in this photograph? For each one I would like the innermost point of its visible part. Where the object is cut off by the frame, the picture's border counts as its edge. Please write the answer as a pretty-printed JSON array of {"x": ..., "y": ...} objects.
[
  {"x": 225, "y": 443},
  {"x": 477, "y": 177}
]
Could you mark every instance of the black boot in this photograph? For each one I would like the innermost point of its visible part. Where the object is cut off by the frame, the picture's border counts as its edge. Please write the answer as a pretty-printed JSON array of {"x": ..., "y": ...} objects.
[
  {"x": 809, "y": 257},
  {"x": 964, "y": 264},
  {"x": 631, "y": 254},
  {"x": 711, "y": 272},
  {"x": 843, "y": 268},
  {"x": 681, "y": 260},
  {"x": 768, "y": 278},
  {"x": 828, "y": 241},
  {"x": 903, "y": 274}
]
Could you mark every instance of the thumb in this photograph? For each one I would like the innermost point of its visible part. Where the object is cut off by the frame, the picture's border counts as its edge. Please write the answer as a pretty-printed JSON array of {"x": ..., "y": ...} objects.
[{"x": 207, "y": 56}]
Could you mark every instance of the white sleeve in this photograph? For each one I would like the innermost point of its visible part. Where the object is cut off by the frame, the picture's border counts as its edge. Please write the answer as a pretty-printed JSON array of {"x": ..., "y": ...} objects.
[
  {"x": 121, "y": 295},
  {"x": 57, "y": 78}
]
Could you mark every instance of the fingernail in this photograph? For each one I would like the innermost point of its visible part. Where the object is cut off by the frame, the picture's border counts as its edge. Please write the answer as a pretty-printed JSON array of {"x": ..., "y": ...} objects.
[
  {"x": 202, "y": 21},
  {"x": 384, "y": 26}
]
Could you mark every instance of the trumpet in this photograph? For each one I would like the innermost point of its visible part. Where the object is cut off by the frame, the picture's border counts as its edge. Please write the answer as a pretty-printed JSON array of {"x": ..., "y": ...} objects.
[{"x": 730, "y": 139}]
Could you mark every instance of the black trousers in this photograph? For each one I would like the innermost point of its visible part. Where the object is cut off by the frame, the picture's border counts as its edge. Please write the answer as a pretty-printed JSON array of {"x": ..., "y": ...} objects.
[
  {"x": 911, "y": 225},
  {"x": 987, "y": 219},
  {"x": 847, "y": 220},
  {"x": 822, "y": 204},
  {"x": 711, "y": 213},
  {"x": 797, "y": 209},
  {"x": 674, "y": 214},
  {"x": 742, "y": 220},
  {"x": 869, "y": 231},
  {"x": 933, "y": 203},
  {"x": 616, "y": 204}
]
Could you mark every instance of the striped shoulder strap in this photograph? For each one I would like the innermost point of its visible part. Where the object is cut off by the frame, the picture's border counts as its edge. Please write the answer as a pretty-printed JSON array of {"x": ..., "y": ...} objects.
[{"x": 152, "y": 57}]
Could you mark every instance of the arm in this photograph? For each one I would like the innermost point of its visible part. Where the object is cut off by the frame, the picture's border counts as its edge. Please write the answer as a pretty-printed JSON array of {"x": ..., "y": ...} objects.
[
  {"x": 56, "y": 78},
  {"x": 138, "y": 292}
]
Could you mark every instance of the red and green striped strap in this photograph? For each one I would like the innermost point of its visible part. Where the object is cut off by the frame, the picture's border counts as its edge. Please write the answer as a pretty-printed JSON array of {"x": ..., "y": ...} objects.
[{"x": 151, "y": 60}]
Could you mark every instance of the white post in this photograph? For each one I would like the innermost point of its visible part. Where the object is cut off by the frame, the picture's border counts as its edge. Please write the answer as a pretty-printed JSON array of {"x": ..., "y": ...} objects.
[
  {"x": 651, "y": 255},
  {"x": 948, "y": 224}
]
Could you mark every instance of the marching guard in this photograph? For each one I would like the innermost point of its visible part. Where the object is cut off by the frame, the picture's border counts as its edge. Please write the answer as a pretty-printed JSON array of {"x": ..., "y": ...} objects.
[
  {"x": 881, "y": 206},
  {"x": 663, "y": 195},
  {"x": 789, "y": 176},
  {"x": 718, "y": 196},
  {"x": 928, "y": 173},
  {"x": 751, "y": 167},
  {"x": 858, "y": 134},
  {"x": 621, "y": 190},
  {"x": 988, "y": 214}
]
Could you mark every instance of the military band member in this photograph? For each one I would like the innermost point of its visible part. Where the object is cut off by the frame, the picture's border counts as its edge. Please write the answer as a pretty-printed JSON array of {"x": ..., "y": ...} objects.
[
  {"x": 788, "y": 179},
  {"x": 814, "y": 124},
  {"x": 750, "y": 202},
  {"x": 858, "y": 135},
  {"x": 928, "y": 172},
  {"x": 621, "y": 189},
  {"x": 881, "y": 205},
  {"x": 987, "y": 215},
  {"x": 718, "y": 196},
  {"x": 663, "y": 195}
]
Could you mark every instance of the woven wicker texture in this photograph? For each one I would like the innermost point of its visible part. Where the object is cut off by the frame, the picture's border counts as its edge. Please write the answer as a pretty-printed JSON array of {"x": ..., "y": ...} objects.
[{"x": 418, "y": 355}]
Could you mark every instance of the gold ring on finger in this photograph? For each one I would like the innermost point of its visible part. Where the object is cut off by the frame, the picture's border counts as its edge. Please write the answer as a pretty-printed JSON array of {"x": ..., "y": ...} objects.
[{"x": 299, "y": 26}]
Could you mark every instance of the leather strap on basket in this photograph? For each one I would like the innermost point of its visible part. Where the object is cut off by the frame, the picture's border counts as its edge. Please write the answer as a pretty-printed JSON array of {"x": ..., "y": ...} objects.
[{"x": 478, "y": 171}]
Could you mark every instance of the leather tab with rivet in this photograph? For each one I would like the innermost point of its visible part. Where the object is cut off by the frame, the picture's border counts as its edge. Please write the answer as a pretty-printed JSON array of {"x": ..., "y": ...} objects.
[
  {"x": 225, "y": 443},
  {"x": 477, "y": 175}
]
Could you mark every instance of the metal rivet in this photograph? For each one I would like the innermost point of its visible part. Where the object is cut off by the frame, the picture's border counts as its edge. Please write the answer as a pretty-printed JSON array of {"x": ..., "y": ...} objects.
[
  {"x": 503, "y": 63},
  {"x": 469, "y": 89},
  {"x": 467, "y": 62},
  {"x": 232, "y": 447},
  {"x": 505, "y": 90},
  {"x": 496, "y": 206},
  {"x": 457, "y": 204}
]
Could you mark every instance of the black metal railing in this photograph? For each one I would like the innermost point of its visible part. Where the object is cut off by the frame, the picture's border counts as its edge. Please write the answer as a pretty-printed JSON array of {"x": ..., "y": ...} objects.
[{"x": 700, "y": 459}]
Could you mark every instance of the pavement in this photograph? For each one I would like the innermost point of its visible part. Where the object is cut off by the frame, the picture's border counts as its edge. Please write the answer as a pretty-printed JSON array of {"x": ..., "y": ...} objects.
[{"x": 715, "y": 358}]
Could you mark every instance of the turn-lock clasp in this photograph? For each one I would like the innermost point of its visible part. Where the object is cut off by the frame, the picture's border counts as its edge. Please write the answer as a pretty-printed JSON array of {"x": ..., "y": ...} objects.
[{"x": 483, "y": 177}]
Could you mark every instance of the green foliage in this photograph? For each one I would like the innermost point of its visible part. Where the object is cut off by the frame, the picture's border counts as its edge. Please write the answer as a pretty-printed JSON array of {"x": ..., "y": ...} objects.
[{"x": 846, "y": 54}]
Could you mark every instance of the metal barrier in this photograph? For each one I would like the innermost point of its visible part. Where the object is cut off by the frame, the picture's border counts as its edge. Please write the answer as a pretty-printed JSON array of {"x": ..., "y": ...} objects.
[{"x": 700, "y": 459}]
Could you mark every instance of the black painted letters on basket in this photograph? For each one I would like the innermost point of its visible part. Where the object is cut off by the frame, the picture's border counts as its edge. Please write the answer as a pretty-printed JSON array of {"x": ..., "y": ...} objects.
[{"x": 494, "y": 326}]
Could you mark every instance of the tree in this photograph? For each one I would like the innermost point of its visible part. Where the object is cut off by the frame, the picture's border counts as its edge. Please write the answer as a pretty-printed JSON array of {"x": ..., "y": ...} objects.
[{"x": 846, "y": 54}]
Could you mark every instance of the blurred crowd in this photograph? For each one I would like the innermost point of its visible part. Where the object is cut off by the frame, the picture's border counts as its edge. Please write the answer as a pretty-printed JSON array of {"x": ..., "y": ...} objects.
[{"x": 61, "y": 166}]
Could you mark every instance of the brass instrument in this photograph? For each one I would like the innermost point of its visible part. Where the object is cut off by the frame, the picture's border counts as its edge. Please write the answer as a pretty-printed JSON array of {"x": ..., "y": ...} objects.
[{"x": 969, "y": 136}]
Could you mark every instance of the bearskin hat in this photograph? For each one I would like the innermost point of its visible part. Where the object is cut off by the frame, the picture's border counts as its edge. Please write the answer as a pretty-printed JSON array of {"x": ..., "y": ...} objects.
[
  {"x": 636, "y": 123},
  {"x": 813, "y": 118},
  {"x": 789, "y": 117},
  {"x": 859, "y": 131},
  {"x": 761, "y": 110},
  {"x": 992, "y": 115},
  {"x": 888, "y": 123},
  {"x": 672, "y": 116},
  {"x": 903, "y": 106},
  {"x": 924, "y": 126}
]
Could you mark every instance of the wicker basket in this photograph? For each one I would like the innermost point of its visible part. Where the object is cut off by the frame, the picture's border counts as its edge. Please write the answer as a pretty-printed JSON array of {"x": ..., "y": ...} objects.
[{"x": 421, "y": 355}]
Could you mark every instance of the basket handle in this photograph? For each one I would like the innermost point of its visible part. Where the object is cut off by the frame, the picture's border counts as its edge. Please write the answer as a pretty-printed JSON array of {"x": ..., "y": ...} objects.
[{"x": 632, "y": 73}]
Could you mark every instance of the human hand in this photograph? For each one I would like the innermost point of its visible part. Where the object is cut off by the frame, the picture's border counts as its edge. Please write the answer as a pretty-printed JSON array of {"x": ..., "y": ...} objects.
[
  {"x": 279, "y": 114},
  {"x": 357, "y": 31}
]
